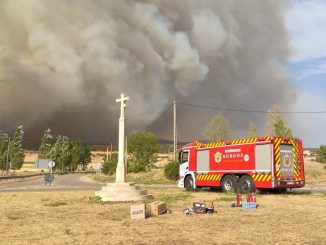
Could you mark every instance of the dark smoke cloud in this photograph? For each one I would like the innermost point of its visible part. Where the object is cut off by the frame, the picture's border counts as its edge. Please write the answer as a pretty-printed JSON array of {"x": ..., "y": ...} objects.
[{"x": 63, "y": 63}]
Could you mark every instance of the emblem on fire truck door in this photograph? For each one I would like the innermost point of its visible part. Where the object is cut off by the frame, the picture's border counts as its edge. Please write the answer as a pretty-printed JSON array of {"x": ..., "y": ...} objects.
[
  {"x": 218, "y": 157},
  {"x": 287, "y": 160}
]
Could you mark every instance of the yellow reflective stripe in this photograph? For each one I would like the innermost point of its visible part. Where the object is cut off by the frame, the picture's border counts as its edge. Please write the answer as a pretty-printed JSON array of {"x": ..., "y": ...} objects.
[
  {"x": 265, "y": 177},
  {"x": 260, "y": 178},
  {"x": 256, "y": 177},
  {"x": 269, "y": 177}
]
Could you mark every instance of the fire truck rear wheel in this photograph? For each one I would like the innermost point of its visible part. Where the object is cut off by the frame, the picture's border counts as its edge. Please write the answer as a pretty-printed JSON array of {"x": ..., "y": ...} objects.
[
  {"x": 189, "y": 183},
  {"x": 246, "y": 184},
  {"x": 228, "y": 183}
]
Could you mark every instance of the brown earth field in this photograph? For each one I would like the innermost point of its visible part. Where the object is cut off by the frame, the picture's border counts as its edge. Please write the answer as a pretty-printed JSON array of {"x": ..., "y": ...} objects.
[{"x": 72, "y": 218}]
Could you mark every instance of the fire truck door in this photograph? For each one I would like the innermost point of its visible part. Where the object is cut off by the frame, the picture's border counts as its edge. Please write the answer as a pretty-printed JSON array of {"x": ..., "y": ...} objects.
[
  {"x": 286, "y": 157},
  {"x": 184, "y": 163},
  {"x": 263, "y": 158},
  {"x": 203, "y": 161}
]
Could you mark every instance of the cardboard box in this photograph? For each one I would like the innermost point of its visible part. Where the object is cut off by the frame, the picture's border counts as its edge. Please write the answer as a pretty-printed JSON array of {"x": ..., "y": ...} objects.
[
  {"x": 137, "y": 211},
  {"x": 158, "y": 208}
]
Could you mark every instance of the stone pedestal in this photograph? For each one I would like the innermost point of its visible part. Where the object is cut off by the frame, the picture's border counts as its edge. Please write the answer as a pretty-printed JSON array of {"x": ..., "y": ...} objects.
[{"x": 121, "y": 192}]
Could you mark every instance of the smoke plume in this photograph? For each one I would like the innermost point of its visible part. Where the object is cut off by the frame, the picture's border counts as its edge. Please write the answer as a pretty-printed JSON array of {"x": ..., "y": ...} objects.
[{"x": 63, "y": 63}]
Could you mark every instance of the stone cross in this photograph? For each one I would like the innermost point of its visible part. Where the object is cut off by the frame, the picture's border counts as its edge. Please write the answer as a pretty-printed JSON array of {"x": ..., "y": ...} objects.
[{"x": 121, "y": 171}]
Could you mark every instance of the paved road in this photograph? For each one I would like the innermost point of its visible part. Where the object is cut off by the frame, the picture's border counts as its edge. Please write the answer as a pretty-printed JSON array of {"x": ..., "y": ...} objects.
[
  {"x": 61, "y": 182},
  {"x": 79, "y": 182},
  {"x": 319, "y": 188}
]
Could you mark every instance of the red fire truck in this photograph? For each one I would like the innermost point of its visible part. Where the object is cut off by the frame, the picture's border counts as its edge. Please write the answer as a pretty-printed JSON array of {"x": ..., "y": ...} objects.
[{"x": 243, "y": 165}]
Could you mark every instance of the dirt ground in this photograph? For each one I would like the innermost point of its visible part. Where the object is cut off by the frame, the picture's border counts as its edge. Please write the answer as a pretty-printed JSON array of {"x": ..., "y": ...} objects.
[{"x": 70, "y": 218}]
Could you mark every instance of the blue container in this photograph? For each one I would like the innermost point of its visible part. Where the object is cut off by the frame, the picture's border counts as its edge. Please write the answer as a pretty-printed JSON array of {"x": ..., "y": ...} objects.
[{"x": 249, "y": 205}]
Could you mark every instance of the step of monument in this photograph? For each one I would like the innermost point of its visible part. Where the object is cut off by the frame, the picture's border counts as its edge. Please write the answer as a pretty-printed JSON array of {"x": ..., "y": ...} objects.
[
  {"x": 123, "y": 193},
  {"x": 123, "y": 198},
  {"x": 125, "y": 188},
  {"x": 120, "y": 187}
]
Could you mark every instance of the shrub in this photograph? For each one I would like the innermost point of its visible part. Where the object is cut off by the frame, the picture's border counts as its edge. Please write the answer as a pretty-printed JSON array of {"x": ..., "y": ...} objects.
[
  {"x": 321, "y": 154},
  {"x": 171, "y": 170},
  {"x": 134, "y": 167},
  {"x": 109, "y": 167}
]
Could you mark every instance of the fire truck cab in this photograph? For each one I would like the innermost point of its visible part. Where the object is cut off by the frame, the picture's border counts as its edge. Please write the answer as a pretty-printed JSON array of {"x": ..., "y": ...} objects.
[{"x": 243, "y": 165}]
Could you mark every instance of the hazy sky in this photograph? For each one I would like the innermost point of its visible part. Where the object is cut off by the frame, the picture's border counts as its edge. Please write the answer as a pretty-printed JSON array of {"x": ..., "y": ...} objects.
[
  {"x": 306, "y": 23},
  {"x": 63, "y": 63}
]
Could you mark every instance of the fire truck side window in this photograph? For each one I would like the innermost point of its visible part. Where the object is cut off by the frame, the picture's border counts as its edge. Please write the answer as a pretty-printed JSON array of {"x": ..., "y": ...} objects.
[{"x": 184, "y": 157}]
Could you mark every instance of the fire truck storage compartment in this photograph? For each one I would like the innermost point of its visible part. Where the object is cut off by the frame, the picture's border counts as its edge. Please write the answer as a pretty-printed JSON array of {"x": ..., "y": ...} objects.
[
  {"x": 203, "y": 161},
  {"x": 263, "y": 158}
]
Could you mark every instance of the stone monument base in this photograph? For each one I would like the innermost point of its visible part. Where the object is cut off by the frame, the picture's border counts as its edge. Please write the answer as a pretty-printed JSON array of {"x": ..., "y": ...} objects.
[{"x": 121, "y": 192}]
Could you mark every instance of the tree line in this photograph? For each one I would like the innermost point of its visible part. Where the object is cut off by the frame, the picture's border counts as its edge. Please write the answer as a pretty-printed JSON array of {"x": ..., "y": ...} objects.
[
  {"x": 11, "y": 150},
  {"x": 66, "y": 153},
  {"x": 142, "y": 147},
  {"x": 218, "y": 129}
]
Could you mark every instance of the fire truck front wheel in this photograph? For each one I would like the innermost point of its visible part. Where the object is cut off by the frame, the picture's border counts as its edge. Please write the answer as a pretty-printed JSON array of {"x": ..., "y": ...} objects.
[
  {"x": 246, "y": 184},
  {"x": 189, "y": 183},
  {"x": 228, "y": 183}
]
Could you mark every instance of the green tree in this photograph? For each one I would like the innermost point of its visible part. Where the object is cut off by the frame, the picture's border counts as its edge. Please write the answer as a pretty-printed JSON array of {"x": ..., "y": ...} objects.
[
  {"x": 218, "y": 129},
  {"x": 171, "y": 170},
  {"x": 280, "y": 128},
  {"x": 321, "y": 154},
  {"x": 80, "y": 154},
  {"x": 16, "y": 150},
  {"x": 252, "y": 132},
  {"x": 142, "y": 147},
  {"x": 273, "y": 113},
  {"x": 46, "y": 145},
  {"x": 3, "y": 150},
  {"x": 61, "y": 153},
  {"x": 276, "y": 123}
]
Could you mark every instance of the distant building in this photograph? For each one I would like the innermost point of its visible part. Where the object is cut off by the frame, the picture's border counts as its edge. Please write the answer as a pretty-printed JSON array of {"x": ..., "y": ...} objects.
[{"x": 309, "y": 155}]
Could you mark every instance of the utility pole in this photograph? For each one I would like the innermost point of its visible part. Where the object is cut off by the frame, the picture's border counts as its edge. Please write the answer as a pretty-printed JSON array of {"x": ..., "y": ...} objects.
[
  {"x": 8, "y": 155},
  {"x": 107, "y": 153},
  {"x": 126, "y": 155},
  {"x": 111, "y": 152},
  {"x": 175, "y": 142}
]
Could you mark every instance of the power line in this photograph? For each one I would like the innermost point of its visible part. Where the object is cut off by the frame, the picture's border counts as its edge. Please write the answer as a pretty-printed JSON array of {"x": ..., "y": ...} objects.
[{"x": 251, "y": 111}]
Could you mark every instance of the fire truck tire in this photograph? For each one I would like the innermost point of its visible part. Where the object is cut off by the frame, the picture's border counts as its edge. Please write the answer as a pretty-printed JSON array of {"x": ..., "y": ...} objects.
[
  {"x": 246, "y": 184},
  {"x": 189, "y": 183},
  {"x": 228, "y": 183}
]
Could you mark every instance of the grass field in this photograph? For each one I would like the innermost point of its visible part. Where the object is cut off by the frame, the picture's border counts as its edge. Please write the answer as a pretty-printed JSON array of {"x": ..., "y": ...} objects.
[
  {"x": 70, "y": 218},
  {"x": 315, "y": 172},
  {"x": 155, "y": 176}
]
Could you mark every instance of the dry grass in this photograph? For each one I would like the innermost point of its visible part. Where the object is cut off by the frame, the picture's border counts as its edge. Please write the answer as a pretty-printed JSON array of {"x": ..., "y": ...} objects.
[
  {"x": 25, "y": 218},
  {"x": 155, "y": 176},
  {"x": 315, "y": 172}
]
